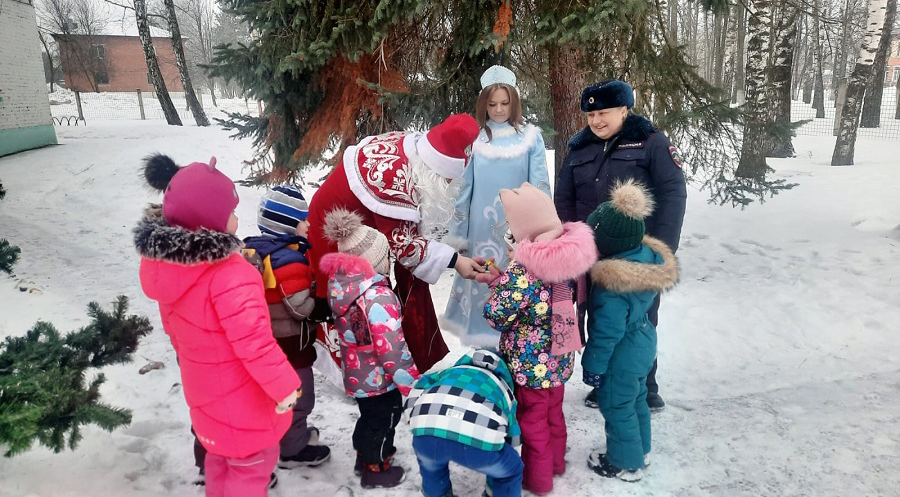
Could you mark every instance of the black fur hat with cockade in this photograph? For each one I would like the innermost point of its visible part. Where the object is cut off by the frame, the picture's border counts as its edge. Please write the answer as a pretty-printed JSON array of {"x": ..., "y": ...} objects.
[{"x": 607, "y": 95}]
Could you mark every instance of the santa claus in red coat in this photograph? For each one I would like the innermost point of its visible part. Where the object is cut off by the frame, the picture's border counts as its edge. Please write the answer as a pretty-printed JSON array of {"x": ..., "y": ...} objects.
[{"x": 401, "y": 183}]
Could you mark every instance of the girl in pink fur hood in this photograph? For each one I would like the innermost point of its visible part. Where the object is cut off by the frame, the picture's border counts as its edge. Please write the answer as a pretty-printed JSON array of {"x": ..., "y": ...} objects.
[
  {"x": 531, "y": 306},
  {"x": 237, "y": 382},
  {"x": 377, "y": 365}
]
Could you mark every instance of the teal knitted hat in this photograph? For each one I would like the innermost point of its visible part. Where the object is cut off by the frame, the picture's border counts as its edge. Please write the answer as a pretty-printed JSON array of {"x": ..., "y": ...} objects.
[{"x": 618, "y": 224}]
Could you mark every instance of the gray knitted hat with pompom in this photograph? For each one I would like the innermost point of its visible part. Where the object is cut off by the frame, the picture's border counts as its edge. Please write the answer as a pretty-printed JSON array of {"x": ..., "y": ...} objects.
[{"x": 352, "y": 237}]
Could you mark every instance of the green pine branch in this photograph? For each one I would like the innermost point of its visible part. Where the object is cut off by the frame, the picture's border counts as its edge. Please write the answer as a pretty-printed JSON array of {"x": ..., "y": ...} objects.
[{"x": 45, "y": 394}]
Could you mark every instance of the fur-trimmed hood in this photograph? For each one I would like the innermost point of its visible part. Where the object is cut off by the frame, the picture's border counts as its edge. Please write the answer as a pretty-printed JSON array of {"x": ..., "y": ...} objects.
[
  {"x": 349, "y": 276},
  {"x": 155, "y": 239},
  {"x": 175, "y": 259},
  {"x": 564, "y": 258},
  {"x": 636, "y": 128},
  {"x": 625, "y": 275}
]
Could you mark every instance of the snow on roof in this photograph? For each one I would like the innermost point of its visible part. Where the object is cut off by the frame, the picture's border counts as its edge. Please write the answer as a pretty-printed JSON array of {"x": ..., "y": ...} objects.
[{"x": 127, "y": 26}]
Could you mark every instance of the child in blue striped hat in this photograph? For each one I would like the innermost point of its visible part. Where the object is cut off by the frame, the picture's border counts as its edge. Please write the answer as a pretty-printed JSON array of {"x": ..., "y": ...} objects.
[
  {"x": 280, "y": 255},
  {"x": 283, "y": 212}
]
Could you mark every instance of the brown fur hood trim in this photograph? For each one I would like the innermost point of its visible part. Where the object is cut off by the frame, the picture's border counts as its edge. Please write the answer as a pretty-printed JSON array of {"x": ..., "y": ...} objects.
[{"x": 621, "y": 275}]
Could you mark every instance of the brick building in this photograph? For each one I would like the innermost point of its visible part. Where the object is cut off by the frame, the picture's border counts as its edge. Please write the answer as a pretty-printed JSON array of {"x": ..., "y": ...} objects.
[
  {"x": 25, "y": 121},
  {"x": 114, "y": 63},
  {"x": 892, "y": 71}
]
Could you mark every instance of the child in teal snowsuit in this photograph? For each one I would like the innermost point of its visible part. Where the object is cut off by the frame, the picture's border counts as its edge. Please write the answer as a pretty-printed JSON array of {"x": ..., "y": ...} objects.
[{"x": 632, "y": 270}]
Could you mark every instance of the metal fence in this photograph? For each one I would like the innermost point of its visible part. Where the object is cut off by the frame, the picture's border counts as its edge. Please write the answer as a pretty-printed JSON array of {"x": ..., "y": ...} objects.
[
  {"x": 65, "y": 104},
  {"x": 888, "y": 128}
]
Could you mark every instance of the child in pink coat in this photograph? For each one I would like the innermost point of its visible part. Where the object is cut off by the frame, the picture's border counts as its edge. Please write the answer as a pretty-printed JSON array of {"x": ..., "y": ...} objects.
[
  {"x": 531, "y": 306},
  {"x": 376, "y": 362},
  {"x": 238, "y": 383}
]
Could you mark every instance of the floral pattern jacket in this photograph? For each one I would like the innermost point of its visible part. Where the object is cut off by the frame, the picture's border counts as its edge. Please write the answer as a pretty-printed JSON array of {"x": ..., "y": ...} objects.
[
  {"x": 367, "y": 315},
  {"x": 520, "y": 305}
]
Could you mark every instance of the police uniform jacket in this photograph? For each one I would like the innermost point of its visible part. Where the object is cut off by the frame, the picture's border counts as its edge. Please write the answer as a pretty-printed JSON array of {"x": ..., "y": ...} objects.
[{"x": 593, "y": 166}]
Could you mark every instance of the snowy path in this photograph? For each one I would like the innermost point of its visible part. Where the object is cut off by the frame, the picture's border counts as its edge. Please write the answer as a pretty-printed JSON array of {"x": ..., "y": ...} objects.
[{"x": 779, "y": 350}]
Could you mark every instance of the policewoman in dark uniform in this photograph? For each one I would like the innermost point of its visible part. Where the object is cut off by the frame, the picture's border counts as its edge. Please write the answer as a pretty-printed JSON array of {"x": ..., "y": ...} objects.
[{"x": 617, "y": 145}]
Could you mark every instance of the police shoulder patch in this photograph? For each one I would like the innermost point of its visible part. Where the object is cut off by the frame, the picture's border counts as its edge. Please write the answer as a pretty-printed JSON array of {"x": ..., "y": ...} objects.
[{"x": 676, "y": 156}]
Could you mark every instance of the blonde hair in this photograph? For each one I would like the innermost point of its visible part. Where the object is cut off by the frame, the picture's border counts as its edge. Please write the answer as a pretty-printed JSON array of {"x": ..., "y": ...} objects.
[{"x": 515, "y": 107}]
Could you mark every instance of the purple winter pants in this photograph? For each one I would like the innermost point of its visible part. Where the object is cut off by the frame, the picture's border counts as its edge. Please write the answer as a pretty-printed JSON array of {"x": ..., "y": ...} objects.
[
  {"x": 543, "y": 426},
  {"x": 240, "y": 476}
]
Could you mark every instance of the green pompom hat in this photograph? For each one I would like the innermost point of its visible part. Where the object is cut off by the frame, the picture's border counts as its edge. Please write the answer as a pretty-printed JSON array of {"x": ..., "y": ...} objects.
[{"x": 618, "y": 224}]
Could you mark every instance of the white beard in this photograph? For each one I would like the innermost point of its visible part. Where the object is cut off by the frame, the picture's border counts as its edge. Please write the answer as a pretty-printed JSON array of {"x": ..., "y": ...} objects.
[{"x": 435, "y": 200}]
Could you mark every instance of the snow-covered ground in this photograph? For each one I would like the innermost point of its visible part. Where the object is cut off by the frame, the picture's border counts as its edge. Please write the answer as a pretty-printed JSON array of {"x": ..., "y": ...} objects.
[{"x": 779, "y": 350}]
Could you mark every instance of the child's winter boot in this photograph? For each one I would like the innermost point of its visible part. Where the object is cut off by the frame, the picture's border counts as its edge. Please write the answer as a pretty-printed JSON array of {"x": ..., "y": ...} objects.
[
  {"x": 601, "y": 465},
  {"x": 382, "y": 475},
  {"x": 311, "y": 455}
]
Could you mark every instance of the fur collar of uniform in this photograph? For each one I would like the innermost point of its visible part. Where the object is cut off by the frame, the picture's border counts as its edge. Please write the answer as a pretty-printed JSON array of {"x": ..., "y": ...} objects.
[
  {"x": 156, "y": 239},
  {"x": 564, "y": 258},
  {"x": 635, "y": 129},
  {"x": 624, "y": 276}
]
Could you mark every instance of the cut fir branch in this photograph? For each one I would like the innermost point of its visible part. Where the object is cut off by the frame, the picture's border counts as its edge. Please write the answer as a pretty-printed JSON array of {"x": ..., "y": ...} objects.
[{"x": 44, "y": 392}]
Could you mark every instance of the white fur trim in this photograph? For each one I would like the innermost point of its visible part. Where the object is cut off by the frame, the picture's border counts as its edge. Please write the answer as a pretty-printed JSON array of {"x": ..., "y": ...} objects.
[
  {"x": 351, "y": 168},
  {"x": 437, "y": 257},
  {"x": 501, "y": 132},
  {"x": 456, "y": 242},
  {"x": 488, "y": 150},
  {"x": 448, "y": 167}
]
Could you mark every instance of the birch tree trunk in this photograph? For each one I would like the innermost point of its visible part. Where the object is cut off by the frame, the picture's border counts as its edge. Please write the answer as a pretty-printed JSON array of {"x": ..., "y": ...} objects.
[
  {"x": 739, "y": 77},
  {"x": 162, "y": 94},
  {"x": 673, "y": 22},
  {"x": 178, "y": 47},
  {"x": 566, "y": 83},
  {"x": 721, "y": 35},
  {"x": 818, "y": 102},
  {"x": 212, "y": 92},
  {"x": 871, "y": 111},
  {"x": 897, "y": 109},
  {"x": 801, "y": 62},
  {"x": 757, "y": 114},
  {"x": 862, "y": 71},
  {"x": 782, "y": 70},
  {"x": 840, "y": 66}
]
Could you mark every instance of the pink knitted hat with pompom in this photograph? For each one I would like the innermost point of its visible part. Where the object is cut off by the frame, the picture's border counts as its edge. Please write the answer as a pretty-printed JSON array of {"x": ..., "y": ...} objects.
[{"x": 196, "y": 196}]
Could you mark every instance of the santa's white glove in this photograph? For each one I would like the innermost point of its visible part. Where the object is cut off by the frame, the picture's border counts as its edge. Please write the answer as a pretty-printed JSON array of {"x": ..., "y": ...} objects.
[{"x": 287, "y": 404}]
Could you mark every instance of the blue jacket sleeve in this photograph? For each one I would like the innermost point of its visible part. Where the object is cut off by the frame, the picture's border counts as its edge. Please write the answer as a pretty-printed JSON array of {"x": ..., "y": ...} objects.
[
  {"x": 609, "y": 314},
  {"x": 670, "y": 191},
  {"x": 537, "y": 165},
  {"x": 564, "y": 196}
]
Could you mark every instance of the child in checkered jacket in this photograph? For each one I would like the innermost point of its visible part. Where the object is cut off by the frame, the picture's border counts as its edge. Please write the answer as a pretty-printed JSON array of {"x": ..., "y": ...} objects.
[{"x": 467, "y": 414}]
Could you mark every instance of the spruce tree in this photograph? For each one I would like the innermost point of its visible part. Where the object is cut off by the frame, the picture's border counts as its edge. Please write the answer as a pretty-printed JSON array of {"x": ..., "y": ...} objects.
[
  {"x": 329, "y": 73},
  {"x": 9, "y": 254},
  {"x": 44, "y": 392}
]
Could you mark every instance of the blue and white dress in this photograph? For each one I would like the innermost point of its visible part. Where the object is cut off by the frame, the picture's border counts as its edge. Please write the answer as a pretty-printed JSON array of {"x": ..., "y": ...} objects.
[{"x": 479, "y": 226}]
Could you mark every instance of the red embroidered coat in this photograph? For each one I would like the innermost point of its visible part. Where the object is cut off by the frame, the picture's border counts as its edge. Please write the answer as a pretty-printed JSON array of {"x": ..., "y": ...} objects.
[{"x": 375, "y": 180}]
